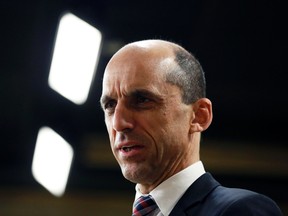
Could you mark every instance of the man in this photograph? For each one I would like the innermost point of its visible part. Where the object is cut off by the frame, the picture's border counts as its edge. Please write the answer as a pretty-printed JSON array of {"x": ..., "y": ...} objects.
[{"x": 155, "y": 110}]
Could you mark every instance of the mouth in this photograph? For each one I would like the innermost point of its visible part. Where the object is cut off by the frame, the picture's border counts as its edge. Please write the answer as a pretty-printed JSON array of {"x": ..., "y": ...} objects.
[
  {"x": 130, "y": 148},
  {"x": 126, "y": 149}
]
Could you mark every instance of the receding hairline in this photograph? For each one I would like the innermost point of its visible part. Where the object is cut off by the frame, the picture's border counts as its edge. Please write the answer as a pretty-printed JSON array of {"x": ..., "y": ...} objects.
[
  {"x": 153, "y": 49},
  {"x": 157, "y": 48}
]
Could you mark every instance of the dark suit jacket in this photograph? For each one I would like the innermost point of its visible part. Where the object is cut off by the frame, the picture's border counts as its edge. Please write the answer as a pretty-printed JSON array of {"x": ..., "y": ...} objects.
[{"x": 206, "y": 197}]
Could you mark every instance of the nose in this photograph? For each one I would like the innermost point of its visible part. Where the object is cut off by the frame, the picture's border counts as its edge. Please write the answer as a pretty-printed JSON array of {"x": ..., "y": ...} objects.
[{"x": 122, "y": 118}]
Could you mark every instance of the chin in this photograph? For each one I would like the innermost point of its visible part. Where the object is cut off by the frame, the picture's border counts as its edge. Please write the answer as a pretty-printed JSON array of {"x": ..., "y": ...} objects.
[{"x": 134, "y": 174}]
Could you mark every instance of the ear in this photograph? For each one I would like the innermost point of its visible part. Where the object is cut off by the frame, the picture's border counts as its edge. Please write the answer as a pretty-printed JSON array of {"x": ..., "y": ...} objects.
[{"x": 202, "y": 117}]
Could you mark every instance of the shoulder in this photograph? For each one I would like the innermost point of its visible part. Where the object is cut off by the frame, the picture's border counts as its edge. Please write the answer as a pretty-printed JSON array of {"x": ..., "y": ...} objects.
[
  {"x": 207, "y": 197},
  {"x": 235, "y": 201}
]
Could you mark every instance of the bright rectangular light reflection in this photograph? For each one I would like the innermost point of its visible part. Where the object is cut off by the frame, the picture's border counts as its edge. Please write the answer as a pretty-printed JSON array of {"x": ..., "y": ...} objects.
[
  {"x": 52, "y": 161},
  {"x": 75, "y": 57}
]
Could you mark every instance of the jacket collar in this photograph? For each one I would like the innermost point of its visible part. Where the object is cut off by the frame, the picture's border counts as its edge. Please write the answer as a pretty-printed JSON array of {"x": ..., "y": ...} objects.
[{"x": 194, "y": 194}]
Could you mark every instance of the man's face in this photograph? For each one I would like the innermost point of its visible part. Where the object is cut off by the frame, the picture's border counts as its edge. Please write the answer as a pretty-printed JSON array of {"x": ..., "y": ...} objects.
[{"x": 147, "y": 122}]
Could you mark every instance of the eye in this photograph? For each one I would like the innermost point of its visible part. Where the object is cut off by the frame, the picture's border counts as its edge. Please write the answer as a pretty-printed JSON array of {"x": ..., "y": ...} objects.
[
  {"x": 110, "y": 105},
  {"x": 142, "y": 102},
  {"x": 142, "y": 99}
]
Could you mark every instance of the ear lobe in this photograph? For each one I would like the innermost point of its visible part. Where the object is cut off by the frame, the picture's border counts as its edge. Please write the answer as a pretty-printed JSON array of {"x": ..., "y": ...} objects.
[{"x": 202, "y": 117}]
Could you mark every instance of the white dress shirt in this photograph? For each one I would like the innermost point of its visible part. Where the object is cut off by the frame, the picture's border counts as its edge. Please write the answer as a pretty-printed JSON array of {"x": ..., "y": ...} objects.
[{"x": 168, "y": 193}]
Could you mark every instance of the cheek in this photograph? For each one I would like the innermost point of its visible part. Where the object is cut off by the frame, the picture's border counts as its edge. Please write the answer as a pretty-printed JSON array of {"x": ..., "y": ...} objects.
[
  {"x": 108, "y": 126},
  {"x": 107, "y": 122},
  {"x": 175, "y": 129},
  {"x": 111, "y": 133}
]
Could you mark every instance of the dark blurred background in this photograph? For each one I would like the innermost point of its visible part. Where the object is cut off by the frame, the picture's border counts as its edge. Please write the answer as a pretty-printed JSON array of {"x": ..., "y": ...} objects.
[{"x": 240, "y": 44}]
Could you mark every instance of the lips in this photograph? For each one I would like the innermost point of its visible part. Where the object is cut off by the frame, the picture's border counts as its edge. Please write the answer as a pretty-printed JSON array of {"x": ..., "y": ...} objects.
[{"x": 129, "y": 148}]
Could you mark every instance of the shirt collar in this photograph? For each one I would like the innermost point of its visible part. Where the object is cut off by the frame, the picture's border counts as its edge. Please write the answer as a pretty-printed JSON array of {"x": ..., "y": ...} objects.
[{"x": 168, "y": 193}]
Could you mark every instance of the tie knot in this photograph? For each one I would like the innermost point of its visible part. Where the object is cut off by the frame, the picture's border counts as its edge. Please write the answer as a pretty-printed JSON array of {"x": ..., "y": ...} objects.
[{"x": 143, "y": 206}]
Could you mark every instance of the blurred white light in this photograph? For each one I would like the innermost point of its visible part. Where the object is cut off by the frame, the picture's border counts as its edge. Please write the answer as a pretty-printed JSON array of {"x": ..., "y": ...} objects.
[
  {"x": 75, "y": 57},
  {"x": 52, "y": 161}
]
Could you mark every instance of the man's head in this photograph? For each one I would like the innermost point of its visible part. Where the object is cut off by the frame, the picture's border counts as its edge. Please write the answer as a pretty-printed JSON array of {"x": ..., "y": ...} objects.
[{"x": 155, "y": 109}]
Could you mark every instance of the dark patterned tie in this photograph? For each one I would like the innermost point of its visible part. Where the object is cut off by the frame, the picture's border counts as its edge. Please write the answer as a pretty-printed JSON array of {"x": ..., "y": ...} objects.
[{"x": 143, "y": 206}]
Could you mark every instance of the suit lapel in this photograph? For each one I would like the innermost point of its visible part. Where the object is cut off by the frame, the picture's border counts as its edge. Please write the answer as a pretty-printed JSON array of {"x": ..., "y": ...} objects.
[{"x": 194, "y": 194}]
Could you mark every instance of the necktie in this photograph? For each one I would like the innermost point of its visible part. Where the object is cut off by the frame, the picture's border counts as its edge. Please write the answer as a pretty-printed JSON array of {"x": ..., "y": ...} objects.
[{"x": 143, "y": 206}]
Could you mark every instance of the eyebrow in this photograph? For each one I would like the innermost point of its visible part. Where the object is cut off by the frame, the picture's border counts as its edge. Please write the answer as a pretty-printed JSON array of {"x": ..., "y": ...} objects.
[
  {"x": 138, "y": 92},
  {"x": 146, "y": 93}
]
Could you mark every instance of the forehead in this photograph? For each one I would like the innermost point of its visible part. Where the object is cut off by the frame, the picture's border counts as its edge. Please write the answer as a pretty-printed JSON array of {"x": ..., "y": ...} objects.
[{"x": 137, "y": 68}]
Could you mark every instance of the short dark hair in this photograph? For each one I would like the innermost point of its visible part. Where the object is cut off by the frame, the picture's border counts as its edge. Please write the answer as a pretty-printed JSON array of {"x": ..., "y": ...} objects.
[{"x": 188, "y": 75}]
